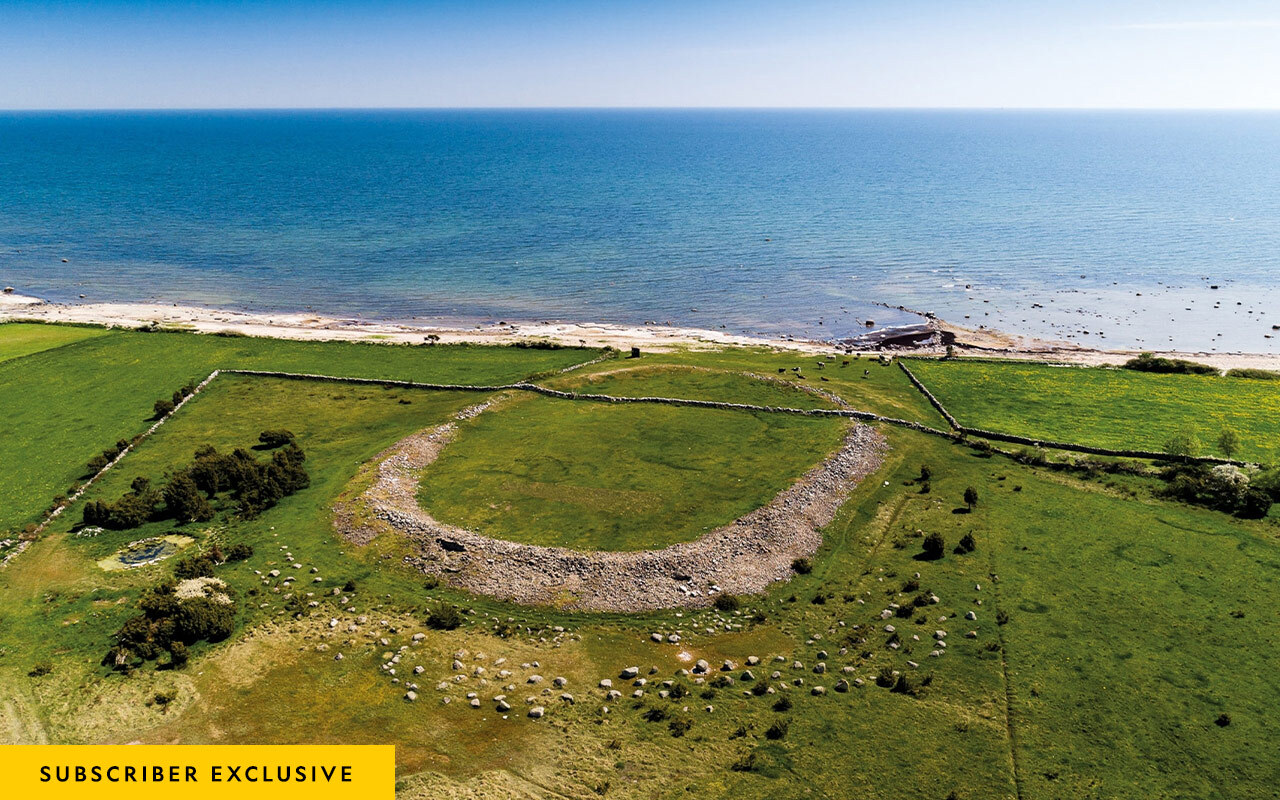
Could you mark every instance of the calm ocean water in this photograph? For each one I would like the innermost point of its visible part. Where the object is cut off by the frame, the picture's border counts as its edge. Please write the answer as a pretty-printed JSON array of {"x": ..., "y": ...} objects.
[{"x": 1107, "y": 228}]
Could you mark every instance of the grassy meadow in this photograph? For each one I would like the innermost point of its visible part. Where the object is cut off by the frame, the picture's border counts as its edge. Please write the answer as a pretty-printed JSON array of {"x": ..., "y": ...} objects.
[
  {"x": 19, "y": 339},
  {"x": 598, "y": 476},
  {"x": 1111, "y": 408},
  {"x": 66, "y": 404},
  {"x": 1112, "y": 631}
]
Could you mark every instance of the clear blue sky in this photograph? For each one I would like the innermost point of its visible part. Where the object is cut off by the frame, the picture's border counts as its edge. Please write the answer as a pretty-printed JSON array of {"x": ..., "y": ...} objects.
[{"x": 930, "y": 53}]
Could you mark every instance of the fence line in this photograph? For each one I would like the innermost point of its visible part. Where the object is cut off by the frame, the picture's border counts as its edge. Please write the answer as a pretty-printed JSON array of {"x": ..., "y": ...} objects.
[
  {"x": 964, "y": 430},
  {"x": 958, "y": 433}
]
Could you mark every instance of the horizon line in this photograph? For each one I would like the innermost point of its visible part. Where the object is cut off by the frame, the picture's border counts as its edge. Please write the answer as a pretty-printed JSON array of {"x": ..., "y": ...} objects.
[{"x": 82, "y": 109}]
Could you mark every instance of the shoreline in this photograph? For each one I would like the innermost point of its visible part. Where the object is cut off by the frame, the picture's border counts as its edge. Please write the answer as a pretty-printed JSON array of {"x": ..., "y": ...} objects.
[{"x": 929, "y": 337}]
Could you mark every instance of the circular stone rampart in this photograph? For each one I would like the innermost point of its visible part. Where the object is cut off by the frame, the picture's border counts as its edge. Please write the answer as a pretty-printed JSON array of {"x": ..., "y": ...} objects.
[{"x": 743, "y": 557}]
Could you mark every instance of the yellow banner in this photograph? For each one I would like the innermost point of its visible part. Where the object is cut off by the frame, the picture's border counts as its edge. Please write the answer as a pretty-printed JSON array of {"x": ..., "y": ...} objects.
[{"x": 199, "y": 772}]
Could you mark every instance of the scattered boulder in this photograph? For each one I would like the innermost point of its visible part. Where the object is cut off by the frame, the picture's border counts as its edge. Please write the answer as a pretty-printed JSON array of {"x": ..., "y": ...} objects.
[{"x": 536, "y": 712}]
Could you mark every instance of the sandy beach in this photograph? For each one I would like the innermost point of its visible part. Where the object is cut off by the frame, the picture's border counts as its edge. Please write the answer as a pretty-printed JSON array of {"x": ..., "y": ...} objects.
[{"x": 967, "y": 342}]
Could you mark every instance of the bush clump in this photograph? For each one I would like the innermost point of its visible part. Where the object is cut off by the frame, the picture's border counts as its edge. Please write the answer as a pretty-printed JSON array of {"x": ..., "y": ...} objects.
[
  {"x": 255, "y": 486},
  {"x": 276, "y": 438},
  {"x": 802, "y": 566},
  {"x": 727, "y": 602},
  {"x": 934, "y": 546},
  {"x": 1147, "y": 362},
  {"x": 167, "y": 620},
  {"x": 443, "y": 617},
  {"x": 967, "y": 544},
  {"x": 1254, "y": 374}
]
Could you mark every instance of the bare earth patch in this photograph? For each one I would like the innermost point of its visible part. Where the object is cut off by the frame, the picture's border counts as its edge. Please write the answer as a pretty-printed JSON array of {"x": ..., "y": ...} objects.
[{"x": 743, "y": 557}]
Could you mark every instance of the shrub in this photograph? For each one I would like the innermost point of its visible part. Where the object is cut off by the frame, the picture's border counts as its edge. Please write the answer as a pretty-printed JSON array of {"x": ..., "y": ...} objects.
[
  {"x": 1002, "y": 617},
  {"x": 1254, "y": 504},
  {"x": 802, "y": 566},
  {"x": 276, "y": 438},
  {"x": 178, "y": 655},
  {"x": 654, "y": 715},
  {"x": 678, "y": 690},
  {"x": 167, "y": 623},
  {"x": 163, "y": 408},
  {"x": 926, "y": 472},
  {"x": 760, "y": 689},
  {"x": 679, "y": 727},
  {"x": 96, "y": 464},
  {"x": 41, "y": 669},
  {"x": 1269, "y": 482},
  {"x": 349, "y": 586},
  {"x": 783, "y": 704},
  {"x": 745, "y": 764},
  {"x": 905, "y": 685},
  {"x": 239, "y": 552},
  {"x": 198, "y": 566},
  {"x": 1223, "y": 720},
  {"x": 183, "y": 501},
  {"x": 727, "y": 602},
  {"x": 444, "y": 617},
  {"x": 1146, "y": 362},
  {"x": 934, "y": 546},
  {"x": 778, "y": 730},
  {"x": 885, "y": 678},
  {"x": 967, "y": 544},
  {"x": 1254, "y": 374}
]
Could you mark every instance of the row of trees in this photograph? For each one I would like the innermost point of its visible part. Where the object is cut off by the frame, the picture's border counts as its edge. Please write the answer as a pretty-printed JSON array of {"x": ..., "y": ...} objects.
[
  {"x": 254, "y": 485},
  {"x": 1188, "y": 444},
  {"x": 165, "y": 407}
]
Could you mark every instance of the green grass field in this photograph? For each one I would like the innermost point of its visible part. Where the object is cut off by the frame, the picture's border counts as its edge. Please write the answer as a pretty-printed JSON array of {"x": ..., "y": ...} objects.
[
  {"x": 1130, "y": 624},
  {"x": 19, "y": 339},
  {"x": 1107, "y": 407},
  {"x": 66, "y": 404},
  {"x": 863, "y": 383},
  {"x": 597, "y": 476},
  {"x": 623, "y": 379}
]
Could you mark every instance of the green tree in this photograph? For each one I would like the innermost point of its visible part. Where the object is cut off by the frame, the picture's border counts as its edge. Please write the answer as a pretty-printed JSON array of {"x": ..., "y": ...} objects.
[
  {"x": 1184, "y": 444},
  {"x": 163, "y": 407},
  {"x": 183, "y": 501},
  {"x": 971, "y": 497},
  {"x": 1228, "y": 442},
  {"x": 934, "y": 546}
]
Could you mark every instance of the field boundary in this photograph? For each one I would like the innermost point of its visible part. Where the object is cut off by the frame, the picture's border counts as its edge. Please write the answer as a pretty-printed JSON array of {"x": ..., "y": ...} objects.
[
  {"x": 982, "y": 433},
  {"x": 959, "y": 432},
  {"x": 57, "y": 510},
  {"x": 928, "y": 395}
]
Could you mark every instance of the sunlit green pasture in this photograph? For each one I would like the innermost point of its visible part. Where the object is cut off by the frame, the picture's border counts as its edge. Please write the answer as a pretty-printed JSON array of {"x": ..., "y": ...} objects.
[{"x": 1111, "y": 408}]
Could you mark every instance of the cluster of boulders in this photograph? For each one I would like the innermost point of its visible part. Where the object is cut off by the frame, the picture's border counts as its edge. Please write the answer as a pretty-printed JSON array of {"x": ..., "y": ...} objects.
[{"x": 469, "y": 671}]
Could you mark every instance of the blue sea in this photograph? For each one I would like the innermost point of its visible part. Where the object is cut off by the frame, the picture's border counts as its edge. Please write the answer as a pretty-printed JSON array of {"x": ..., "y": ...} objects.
[{"x": 1105, "y": 228}]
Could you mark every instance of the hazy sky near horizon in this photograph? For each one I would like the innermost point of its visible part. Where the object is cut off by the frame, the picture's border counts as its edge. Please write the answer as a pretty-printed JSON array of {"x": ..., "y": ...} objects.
[{"x": 806, "y": 53}]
